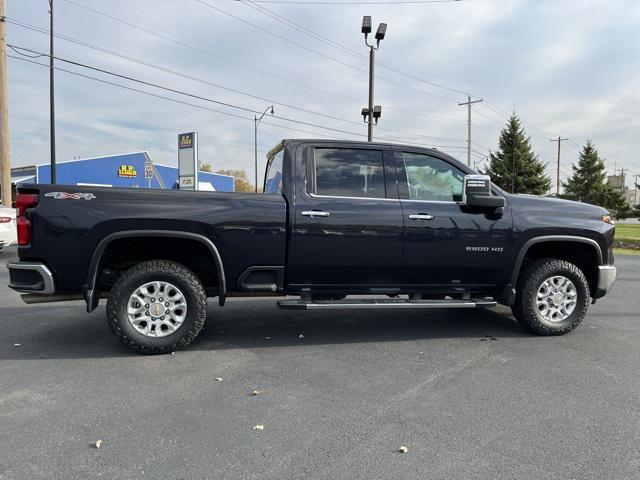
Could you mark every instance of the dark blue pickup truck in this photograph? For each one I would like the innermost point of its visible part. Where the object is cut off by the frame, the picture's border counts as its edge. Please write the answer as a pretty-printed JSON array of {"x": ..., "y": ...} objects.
[{"x": 409, "y": 227}]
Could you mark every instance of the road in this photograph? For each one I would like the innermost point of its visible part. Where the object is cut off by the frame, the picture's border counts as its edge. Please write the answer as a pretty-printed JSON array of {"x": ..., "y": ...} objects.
[{"x": 470, "y": 393}]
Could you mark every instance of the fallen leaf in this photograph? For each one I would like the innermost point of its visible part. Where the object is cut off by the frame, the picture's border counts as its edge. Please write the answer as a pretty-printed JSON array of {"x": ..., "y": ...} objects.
[
  {"x": 173, "y": 353},
  {"x": 17, "y": 344},
  {"x": 403, "y": 449},
  {"x": 98, "y": 443},
  {"x": 301, "y": 336},
  {"x": 256, "y": 392},
  {"x": 218, "y": 379},
  {"x": 266, "y": 338},
  {"x": 259, "y": 427}
]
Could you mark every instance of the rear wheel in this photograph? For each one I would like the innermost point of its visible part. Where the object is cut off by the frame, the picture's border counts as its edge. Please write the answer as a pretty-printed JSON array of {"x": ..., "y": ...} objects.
[
  {"x": 157, "y": 307},
  {"x": 552, "y": 297}
]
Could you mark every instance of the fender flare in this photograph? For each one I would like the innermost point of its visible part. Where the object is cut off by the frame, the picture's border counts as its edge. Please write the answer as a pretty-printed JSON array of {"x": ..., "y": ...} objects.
[
  {"x": 509, "y": 291},
  {"x": 92, "y": 297}
]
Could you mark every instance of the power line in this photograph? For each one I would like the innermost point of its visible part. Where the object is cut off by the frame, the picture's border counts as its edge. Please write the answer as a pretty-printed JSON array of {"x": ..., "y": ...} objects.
[
  {"x": 411, "y": 134},
  {"x": 357, "y": 134},
  {"x": 500, "y": 111},
  {"x": 499, "y": 122},
  {"x": 224, "y": 59},
  {"x": 324, "y": 55},
  {"x": 240, "y": 92},
  {"x": 178, "y": 42},
  {"x": 270, "y": 13}
]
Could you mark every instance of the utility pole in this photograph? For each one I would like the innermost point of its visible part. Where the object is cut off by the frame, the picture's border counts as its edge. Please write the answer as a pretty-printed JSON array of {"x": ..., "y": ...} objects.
[
  {"x": 468, "y": 103},
  {"x": 256, "y": 123},
  {"x": 373, "y": 112},
  {"x": 559, "y": 140},
  {"x": 635, "y": 190},
  {"x": 5, "y": 168},
  {"x": 622, "y": 175},
  {"x": 52, "y": 114}
]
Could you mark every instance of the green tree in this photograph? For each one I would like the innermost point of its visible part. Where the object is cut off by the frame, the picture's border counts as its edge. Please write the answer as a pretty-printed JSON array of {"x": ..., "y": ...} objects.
[
  {"x": 241, "y": 182},
  {"x": 514, "y": 167},
  {"x": 588, "y": 184}
]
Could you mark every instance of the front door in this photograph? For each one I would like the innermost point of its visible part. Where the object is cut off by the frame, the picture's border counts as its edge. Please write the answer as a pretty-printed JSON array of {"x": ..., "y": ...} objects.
[
  {"x": 445, "y": 243},
  {"x": 347, "y": 223}
]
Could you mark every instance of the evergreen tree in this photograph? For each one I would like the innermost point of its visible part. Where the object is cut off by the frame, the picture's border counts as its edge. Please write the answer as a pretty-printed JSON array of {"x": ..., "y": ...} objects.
[
  {"x": 514, "y": 167},
  {"x": 588, "y": 183}
]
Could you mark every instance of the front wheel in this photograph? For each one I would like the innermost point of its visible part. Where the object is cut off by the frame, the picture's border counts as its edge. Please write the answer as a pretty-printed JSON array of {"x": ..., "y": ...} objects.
[
  {"x": 552, "y": 297},
  {"x": 157, "y": 306}
]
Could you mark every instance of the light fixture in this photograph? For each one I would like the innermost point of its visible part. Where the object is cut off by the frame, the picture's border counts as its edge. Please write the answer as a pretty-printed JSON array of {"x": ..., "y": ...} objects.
[
  {"x": 377, "y": 113},
  {"x": 366, "y": 24}
]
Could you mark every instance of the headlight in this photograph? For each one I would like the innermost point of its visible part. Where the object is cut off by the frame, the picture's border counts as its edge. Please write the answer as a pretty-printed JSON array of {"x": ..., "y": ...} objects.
[{"x": 608, "y": 219}]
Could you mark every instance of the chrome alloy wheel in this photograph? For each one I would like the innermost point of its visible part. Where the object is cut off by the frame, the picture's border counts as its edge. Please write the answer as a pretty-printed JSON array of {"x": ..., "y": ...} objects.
[
  {"x": 557, "y": 299},
  {"x": 156, "y": 309}
]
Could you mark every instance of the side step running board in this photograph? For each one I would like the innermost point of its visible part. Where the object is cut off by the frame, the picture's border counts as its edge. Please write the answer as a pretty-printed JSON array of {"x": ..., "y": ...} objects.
[{"x": 383, "y": 304}]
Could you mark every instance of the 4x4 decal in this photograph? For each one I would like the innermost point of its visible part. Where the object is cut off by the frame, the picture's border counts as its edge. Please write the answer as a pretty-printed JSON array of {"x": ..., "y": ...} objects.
[{"x": 70, "y": 196}]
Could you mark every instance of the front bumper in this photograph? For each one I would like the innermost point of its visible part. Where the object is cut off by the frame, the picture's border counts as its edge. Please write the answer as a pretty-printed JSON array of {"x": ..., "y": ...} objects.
[
  {"x": 31, "y": 277},
  {"x": 606, "y": 280}
]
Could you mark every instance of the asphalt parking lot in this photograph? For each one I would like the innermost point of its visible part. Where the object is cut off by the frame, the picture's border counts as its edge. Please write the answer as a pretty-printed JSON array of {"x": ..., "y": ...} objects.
[{"x": 470, "y": 393}]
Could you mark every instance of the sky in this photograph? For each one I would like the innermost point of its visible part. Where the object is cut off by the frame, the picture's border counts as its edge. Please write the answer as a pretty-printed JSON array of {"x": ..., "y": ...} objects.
[{"x": 567, "y": 68}]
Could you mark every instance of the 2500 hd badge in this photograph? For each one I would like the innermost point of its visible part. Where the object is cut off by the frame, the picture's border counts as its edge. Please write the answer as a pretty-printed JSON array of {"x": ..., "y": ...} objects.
[{"x": 485, "y": 249}]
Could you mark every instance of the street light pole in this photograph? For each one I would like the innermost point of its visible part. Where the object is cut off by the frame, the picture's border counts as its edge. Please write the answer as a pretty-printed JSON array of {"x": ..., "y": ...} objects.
[
  {"x": 256, "y": 122},
  {"x": 372, "y": 60},
  {"x": 373, "y": 112}
]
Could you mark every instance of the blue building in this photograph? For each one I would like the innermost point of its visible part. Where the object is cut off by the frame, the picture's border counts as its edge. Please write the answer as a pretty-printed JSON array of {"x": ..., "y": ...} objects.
[{"x": 126, "y": 170}]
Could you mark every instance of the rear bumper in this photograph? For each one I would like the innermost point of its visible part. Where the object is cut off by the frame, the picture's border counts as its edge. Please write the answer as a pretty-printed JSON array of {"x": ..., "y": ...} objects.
[
  {"x": 31, "y": 277},
  {"x": 606, "y": 280}
]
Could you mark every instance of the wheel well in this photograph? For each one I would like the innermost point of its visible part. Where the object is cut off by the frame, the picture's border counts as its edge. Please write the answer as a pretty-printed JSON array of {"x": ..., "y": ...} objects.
[
  {"x": 582, "y": 255},
  {"x": 123, "y": 253}
]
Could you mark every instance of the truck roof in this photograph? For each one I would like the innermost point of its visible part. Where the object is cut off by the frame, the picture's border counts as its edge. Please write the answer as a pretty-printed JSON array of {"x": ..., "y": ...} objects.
[{"x": 356, "y": 142}]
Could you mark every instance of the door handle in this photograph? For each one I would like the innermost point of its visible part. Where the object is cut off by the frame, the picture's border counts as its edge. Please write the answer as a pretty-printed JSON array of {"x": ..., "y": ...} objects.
[
  {"x": 314, "y": 213},
  {"x": 420, "y": 216}
]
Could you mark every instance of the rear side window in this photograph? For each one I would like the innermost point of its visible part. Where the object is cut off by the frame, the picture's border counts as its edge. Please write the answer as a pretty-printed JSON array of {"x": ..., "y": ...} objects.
[
  {"x": 349, "y": 172},
  {"x": 273, "y": 180}
]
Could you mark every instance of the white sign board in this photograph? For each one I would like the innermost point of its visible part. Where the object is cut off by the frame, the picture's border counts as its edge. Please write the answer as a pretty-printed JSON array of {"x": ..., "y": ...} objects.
[{"x": 188, "y": 160}]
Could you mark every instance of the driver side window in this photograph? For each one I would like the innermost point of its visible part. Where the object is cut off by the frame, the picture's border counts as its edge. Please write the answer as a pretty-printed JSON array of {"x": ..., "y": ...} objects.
[{"x": 429, "y": 178}]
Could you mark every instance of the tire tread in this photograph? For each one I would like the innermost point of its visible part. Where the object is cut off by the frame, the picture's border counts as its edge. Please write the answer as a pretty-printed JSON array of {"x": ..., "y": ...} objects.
[
  {"x": 118, "y": 295},
  {"x": 528, "y": 283}
]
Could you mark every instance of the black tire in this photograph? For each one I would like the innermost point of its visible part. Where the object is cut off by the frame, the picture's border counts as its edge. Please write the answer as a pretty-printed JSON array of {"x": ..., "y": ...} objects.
[
  {"x": 531, "y": 279},
  {"x": 157, "y": 270}
]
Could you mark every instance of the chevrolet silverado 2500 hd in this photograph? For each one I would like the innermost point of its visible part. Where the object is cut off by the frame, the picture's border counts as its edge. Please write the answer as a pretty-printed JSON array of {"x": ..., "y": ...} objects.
[{"x": 336, "y": 219}]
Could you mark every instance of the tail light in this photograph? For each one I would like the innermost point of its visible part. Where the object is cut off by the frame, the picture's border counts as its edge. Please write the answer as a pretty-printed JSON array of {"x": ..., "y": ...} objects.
[
  {"x": 24, "y": 201},
  {"x": 5, "y": 219}
]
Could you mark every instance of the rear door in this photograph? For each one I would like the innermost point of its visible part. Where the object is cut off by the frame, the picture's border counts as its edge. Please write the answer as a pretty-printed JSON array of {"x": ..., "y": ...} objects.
[
  {"x": 445, "y": 243},
  {"x": 347, "y": 222}
]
